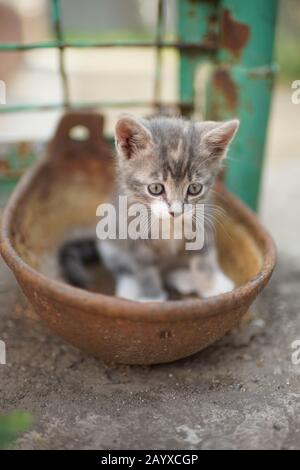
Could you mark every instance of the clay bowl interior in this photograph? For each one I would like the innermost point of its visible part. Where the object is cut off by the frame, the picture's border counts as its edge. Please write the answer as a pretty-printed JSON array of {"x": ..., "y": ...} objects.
[{"x": 56, "y": 201}]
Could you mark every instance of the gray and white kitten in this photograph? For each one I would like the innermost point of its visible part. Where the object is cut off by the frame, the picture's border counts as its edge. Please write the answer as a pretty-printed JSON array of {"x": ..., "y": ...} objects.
[{"x": 165, "y": 163}]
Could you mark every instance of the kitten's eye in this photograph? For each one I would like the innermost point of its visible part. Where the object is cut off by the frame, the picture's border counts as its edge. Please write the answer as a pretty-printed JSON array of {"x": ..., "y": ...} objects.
[
  {"x": 194, "y": 189},
  {"x": 156, "y": 189}
]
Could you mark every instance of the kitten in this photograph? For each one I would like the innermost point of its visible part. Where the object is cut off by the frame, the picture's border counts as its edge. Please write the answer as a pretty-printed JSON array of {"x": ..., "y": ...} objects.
[{"x": 164, "y": 164}]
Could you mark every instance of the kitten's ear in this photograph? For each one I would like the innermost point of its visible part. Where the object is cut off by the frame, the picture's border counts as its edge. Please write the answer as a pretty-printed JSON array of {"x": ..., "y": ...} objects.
[
  {"x": 218, "y": 139},
  {"x": 131, "y": 137}
]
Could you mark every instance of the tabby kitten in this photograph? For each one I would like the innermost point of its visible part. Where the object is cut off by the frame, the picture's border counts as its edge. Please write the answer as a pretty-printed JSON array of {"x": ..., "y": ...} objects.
[{"x": 165, "y": 164}]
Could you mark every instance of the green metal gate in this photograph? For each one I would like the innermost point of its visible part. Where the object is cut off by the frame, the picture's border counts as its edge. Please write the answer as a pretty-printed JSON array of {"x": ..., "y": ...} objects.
[{"x": 236, "y": 38}]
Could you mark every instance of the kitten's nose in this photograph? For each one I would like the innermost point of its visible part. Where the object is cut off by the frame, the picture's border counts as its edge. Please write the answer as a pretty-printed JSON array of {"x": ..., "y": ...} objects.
[{"x": 175, "y": 209}]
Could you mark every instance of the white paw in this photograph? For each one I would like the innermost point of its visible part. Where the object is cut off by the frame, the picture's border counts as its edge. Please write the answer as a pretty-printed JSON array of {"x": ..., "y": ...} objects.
[
  {"x": 127, "y": 287},
  {"x": 219, "y": 284},
  {"x": 181, "y": 280}
]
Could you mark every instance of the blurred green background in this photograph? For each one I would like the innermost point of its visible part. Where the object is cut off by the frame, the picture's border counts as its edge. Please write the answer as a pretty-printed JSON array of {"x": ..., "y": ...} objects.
[{"x": 287, "y": 45}]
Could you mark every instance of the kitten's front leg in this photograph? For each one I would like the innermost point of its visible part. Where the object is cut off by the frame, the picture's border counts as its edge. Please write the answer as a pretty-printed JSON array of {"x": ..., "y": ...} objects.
[
  {"x": 182, "y": 280},
  {"x": 144, "y": 285},
  {"x": 135, "y": 279},
  {"x": 208, "y": 276},
  {"x": 127, "y": 287},
  {"x": 150, "y": 285}
]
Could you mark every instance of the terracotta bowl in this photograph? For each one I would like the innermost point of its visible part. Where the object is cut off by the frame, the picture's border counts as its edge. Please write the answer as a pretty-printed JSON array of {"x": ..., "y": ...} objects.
[{"x": 57, "y": 198}]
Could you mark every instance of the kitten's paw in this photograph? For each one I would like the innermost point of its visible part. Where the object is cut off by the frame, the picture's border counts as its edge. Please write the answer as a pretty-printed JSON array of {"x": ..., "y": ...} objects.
[
  {"x": 182, "y": 280},
  {"x": 218, "y": 285},
  {"x": 127, "y": 287}
]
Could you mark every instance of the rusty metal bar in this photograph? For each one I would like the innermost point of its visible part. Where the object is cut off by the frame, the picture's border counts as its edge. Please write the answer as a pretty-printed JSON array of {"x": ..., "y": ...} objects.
[
  {"x": 197, "y": 46},
  {"x": 93, "y": 105},
  {"x": 241, "y": 86},
  {"x": 56, "y": 21},
  {"x": 197, "y": 20},
  {"x": 158, "y": 58}
]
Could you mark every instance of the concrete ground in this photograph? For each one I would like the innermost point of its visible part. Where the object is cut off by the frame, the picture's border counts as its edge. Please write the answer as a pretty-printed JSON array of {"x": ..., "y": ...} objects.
[{"x": 241, "y": 393}]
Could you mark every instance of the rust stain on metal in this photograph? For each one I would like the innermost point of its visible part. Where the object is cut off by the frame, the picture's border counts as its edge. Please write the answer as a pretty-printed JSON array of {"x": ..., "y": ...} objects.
[
  {"x": 4, "y": 168},
  {"x": 223, "y": 82},
  {"x": 234, "y": 35},
  {"x": 213, "y": 21},
  {"x": 212, "y": 36}
]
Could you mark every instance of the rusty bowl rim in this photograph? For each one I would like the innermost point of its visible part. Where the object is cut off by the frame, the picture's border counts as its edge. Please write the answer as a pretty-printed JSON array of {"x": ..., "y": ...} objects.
[{"x": 171, "y": 310}]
